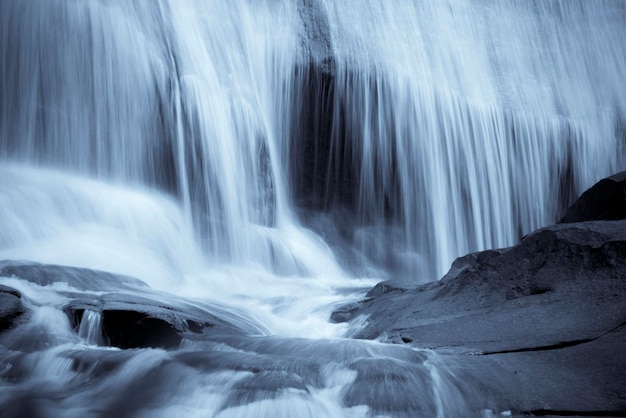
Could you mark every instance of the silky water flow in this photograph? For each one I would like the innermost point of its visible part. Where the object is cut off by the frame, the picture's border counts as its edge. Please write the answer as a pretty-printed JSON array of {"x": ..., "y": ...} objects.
[{"x": 267, "y": 162}]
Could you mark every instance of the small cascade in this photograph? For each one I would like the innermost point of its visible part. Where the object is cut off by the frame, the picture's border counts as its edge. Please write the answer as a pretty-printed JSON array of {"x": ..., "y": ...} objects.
[{"x": 90, "y": 329}]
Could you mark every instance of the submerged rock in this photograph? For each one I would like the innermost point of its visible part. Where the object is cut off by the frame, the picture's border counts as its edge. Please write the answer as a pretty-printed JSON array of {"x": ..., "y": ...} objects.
[{"x": 79, "y": 278}]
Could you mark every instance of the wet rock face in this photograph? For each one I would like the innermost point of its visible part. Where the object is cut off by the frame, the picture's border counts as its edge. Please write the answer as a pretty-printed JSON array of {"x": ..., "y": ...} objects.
[
  {"x": 134, "y": 322},
  {"x": 550, "y": 311},
  {"x": 313, "y": 108},
  {"x": 606, "y": 200},
  {"x": 127, "y": 313},
  {"x": 79, "y": 278},
  {"x": 561, "y": 283},
  {"x": 11, "y": 307}
]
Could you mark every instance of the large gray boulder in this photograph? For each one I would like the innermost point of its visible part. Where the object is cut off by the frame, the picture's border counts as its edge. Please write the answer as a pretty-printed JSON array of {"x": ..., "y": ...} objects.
[
  {"x": 559, "y": 285},
  {"x": 542, "y": 323}
]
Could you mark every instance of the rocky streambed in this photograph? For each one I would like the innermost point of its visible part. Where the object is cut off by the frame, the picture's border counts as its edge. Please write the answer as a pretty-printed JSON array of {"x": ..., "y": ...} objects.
[
  {"x": 548, "y": 313},
  {"x": 535, "y": 329}
]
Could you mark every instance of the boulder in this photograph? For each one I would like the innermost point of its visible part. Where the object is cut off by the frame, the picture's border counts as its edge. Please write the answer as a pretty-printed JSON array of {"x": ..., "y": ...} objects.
[
  {"x": 541, "y": 325},
  {"x": 134, "y": 321},
  {"x": 562, "y": 283},
  {"x": 606, "y": 200},
  {"x": 125, "y": 312}
]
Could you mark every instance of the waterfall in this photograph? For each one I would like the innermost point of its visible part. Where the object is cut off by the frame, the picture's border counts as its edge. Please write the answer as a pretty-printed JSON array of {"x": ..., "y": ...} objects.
[
  {"x": 90, "y": 329},
  {"x": 160, "y": 95},
  {"x": 260, "y": 164},
  {"x": 403, "y": 134},
  {"x": 457, "y": 126}
]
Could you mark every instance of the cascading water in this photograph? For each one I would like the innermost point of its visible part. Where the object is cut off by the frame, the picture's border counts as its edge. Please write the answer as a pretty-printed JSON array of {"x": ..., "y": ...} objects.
[
  {"x": 462, "y": 125},
  {"x": 197, "y": 145},
  {"x": 90, "y": 329}
]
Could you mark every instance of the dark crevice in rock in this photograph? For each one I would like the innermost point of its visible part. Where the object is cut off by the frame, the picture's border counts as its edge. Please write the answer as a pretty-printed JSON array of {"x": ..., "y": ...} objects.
[
  {"x": 311, "y": 128},
  {"x": 138, "y": 322},
  {"x": 557, "y": 346},
  {"x": 10, "y": 291},
  {"x": 568, "y": 413},
  {"x": 126, "y": 328},
  {"x": 129, "y": 329},
  {"x": 75, "y": 316},
  {"x": 564, "y": 344}
]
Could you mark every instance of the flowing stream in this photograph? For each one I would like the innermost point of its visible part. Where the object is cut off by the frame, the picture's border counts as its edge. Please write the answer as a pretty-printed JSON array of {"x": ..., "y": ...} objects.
[{"x": 271, "y": 161}]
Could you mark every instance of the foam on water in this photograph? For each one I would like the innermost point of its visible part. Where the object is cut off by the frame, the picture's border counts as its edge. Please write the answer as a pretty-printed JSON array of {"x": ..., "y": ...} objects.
[{"x": 142, "y": 234}]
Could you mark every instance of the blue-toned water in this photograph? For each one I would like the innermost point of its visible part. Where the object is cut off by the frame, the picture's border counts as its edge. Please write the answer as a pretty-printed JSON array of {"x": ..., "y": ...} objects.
[{"x": 279, "y": 158}]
